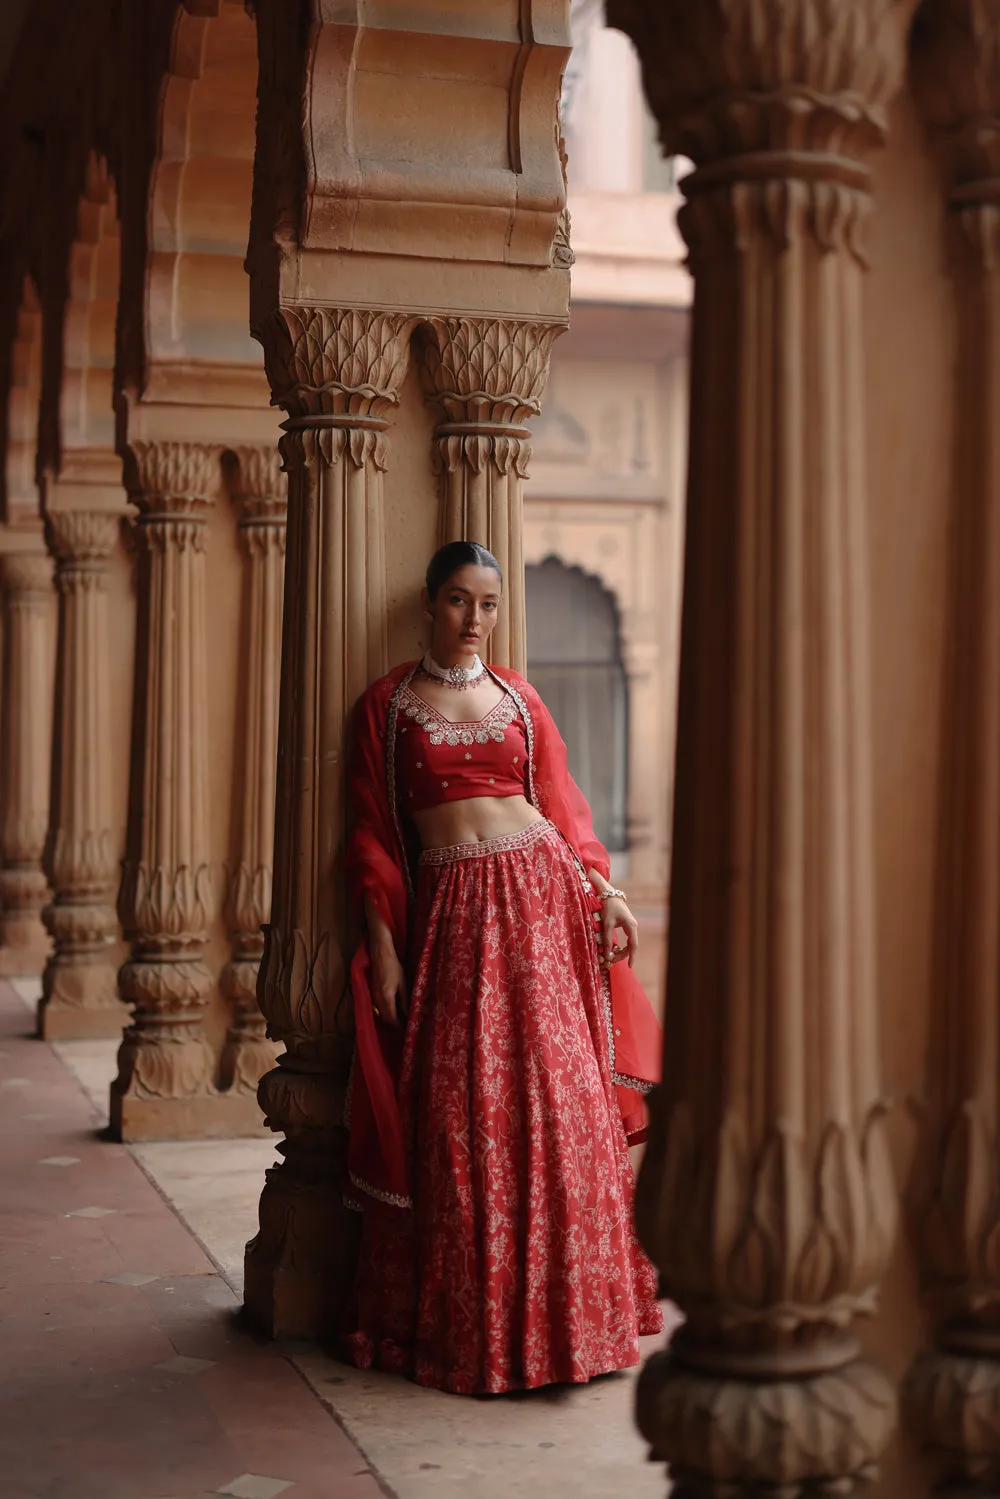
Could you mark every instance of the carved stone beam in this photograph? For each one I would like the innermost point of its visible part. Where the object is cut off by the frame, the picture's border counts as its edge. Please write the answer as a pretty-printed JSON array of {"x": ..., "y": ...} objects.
[
  {"x": 766, "y": 1195},
  {"x": 80, "y": 984},
  {"x": 25, "y": 750},
  {"x": 166, "y": 900},
  {"x": 488, "y": 375},
  {"x": 338, "y": 374},
  {"x": 261, "y": 495},
  {"x": 954, "y": 1392}
]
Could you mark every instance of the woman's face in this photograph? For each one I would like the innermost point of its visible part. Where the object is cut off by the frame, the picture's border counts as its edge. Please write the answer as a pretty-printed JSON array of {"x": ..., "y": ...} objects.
[{"x": 464, "y": 613}]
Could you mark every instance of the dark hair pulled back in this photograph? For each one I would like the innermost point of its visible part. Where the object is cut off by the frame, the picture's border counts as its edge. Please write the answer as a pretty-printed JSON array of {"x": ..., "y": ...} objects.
[{"x": 448, "y": 559}]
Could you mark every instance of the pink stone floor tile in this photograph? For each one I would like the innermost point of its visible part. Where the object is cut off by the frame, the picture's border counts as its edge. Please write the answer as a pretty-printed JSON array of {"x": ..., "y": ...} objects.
[{"x": 123, "y": 1371}]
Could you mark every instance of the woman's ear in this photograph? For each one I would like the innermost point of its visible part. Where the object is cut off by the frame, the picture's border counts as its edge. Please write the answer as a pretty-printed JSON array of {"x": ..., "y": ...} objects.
[{"x": 425, "y": 603}]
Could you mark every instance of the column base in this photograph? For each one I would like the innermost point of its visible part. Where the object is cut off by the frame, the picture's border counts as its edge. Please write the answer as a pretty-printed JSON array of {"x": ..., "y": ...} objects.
[
  {"x": 80, "y": 1002},
  {"x": 721, "y": 1436},
  {"x": 67, "y": 1022},
  {"x": 299, "y": 1268},
  {"x": 211, "y": 1116}
]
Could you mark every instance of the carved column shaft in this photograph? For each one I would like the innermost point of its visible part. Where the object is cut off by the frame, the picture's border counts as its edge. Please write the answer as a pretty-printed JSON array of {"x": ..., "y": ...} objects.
[
  {"x": 25, "y": 751},
  {"x": 248, "y": 1053},
  {"x": 337, "y": 373},
  {"x": 488, "y": 375},
  {"x": 766, "y": 1196},
  {"x": 166, "y": 899},
  {"x": 80, "y": 988},
  {"x": 954, "y": 1392}
]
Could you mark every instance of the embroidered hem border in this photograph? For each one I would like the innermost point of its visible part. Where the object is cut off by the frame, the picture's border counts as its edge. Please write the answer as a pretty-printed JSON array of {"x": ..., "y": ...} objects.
[{"x": 394, "y": 1199}]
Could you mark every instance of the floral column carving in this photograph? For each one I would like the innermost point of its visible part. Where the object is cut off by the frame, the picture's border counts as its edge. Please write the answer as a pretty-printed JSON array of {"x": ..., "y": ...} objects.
[
  {"x": 80, "y": 984},
  {"x": 954, "y": 1392},
  {"x": 338, "y": 374},
  {"x": 488, "y": 375},
  {"x": 165, "y": 1064},
  {"x": 261, "y": 493},
  {"x": 766, "y": 1196},
  {"x": 25, "y": 748}
]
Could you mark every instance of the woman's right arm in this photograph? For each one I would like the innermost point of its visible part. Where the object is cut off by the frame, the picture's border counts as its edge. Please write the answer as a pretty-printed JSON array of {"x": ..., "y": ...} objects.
[
  {"x": 375, "y": 877},
  {"x": 389, "y": 987}
]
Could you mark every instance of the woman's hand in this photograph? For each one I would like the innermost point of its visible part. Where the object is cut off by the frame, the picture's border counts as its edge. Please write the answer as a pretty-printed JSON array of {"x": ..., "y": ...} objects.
[
  {"x": 616, "y": 916},
  {"x": 389, "y": 986}
]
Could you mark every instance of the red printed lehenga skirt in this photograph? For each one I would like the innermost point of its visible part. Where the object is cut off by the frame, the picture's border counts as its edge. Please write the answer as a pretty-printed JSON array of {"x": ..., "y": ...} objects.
[{"x": 517, "y": 1264}]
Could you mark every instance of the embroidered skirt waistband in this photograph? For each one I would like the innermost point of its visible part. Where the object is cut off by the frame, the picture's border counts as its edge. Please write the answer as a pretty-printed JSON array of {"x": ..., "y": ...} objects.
[{"x": 509, "y": 843}]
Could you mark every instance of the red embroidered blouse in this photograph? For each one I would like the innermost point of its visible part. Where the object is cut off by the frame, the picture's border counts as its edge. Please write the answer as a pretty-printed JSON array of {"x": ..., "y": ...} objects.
[{"x": 438, "y": 760}]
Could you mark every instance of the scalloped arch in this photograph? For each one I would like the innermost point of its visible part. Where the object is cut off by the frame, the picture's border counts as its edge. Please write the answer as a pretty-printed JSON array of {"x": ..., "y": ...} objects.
[
  {"x": 86, "y": 412},
  {"x": 20, "y": 490},
  {"x": 200, "y": 188},
  {"x": 594, "y": 587}
]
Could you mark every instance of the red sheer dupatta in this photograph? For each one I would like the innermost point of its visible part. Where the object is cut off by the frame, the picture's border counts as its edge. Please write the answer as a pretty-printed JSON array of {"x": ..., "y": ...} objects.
[{"x": 377, "y": 871}]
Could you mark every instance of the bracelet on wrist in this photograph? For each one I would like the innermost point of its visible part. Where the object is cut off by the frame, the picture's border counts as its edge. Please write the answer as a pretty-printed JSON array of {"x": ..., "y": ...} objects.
[{"x": 611, "y": 893}]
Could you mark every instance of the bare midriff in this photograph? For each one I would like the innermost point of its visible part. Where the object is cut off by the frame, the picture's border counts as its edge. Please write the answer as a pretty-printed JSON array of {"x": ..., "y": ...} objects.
[{"x": 476, "y": 819}]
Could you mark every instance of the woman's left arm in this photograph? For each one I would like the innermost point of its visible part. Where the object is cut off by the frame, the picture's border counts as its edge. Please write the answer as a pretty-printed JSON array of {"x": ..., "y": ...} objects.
[
  {"x": 559, "y": 797},
  {"x": 615, "y": 916}
]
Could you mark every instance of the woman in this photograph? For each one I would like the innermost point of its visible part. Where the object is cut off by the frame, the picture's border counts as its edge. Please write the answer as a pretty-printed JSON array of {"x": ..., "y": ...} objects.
[{"x": 503, "y": 1043}]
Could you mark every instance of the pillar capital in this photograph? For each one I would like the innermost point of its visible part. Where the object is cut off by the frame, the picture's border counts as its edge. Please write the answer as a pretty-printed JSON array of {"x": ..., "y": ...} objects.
[
  {"x": 956, "y": 71},
  {"x": 955, "y": 63},
  {"x": 808, "y": 86},
  {"x": 779, "y": 118},
  {"x": 171, "y": 478},
  {"x": 488, "y": 376},
  {"x": 26, "y": 575},
  {"x": 260, "y": 485},
  {"x": 81, "y": 535},
  {"x": 337, "y": 371},
  {"x": 493, "y": 360}
]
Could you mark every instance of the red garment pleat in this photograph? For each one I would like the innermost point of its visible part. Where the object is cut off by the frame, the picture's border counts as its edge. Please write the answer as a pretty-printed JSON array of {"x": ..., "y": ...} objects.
[{"x": 518, "y": 1264}]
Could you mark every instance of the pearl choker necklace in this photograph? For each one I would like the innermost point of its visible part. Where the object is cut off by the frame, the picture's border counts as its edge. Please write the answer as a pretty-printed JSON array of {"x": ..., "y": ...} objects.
[{"x": 459, "y": 677}]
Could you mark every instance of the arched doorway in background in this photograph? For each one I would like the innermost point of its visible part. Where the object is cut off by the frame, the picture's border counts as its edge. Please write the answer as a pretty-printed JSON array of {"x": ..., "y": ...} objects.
[{"x": 575, "y": 663}]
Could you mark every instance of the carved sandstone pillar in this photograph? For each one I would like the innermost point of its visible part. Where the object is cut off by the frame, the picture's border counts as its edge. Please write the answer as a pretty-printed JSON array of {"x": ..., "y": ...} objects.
[
  {"x": 488, "y": 375},
  {"x": 954, "y": 1392},
  {"x": 337, "y": 373},
  {"x": 261, "y": 492},
  {"x": 165, "y": 1064},
  {"x": 766, "y": 1197},
  {"x": 25, "y": 750},
  {"x": 80, "y": 984}
]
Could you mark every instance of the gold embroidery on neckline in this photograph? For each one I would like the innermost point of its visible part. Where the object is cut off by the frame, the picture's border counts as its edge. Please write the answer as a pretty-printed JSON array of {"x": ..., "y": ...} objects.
[{"x": 441, "y": 730}]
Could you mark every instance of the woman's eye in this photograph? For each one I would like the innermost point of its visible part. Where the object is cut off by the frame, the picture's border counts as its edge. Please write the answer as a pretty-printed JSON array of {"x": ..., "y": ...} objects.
[{"x": 489, "y": 606}]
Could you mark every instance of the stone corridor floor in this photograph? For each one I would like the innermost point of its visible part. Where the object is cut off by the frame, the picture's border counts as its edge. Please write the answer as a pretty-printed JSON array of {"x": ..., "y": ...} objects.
[{"x": 125, "y": 1371}]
